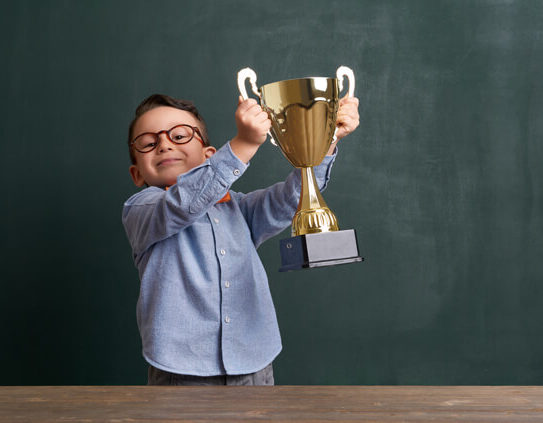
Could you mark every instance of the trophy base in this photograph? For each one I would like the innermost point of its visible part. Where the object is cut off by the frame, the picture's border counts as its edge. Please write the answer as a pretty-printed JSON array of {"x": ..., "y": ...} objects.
[{"x": 318, "y": 250}]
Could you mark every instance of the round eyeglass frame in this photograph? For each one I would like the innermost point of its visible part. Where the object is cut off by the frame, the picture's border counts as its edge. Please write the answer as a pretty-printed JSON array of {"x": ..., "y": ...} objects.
[{"x": 194, "y": 129}]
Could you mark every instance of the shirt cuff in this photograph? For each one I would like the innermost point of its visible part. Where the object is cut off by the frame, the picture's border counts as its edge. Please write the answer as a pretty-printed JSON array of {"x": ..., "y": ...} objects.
[{"x": 227, "y": 165}]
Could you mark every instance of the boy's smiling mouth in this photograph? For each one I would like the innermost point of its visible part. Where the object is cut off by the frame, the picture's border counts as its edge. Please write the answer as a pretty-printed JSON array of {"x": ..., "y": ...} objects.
[{"x": 167, "y": 162}]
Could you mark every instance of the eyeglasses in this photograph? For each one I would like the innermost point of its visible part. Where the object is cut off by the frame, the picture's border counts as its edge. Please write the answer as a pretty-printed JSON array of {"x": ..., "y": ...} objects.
[{"x": 179, "y": 134}]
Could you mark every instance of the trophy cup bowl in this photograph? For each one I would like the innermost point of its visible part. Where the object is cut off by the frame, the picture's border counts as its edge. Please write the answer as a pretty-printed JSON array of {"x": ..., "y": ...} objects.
[{"x": 303, "y": 114}]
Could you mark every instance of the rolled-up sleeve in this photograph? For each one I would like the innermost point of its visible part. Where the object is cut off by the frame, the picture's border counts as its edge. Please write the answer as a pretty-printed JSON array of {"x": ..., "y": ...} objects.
[{"x": 269, "y": 211}]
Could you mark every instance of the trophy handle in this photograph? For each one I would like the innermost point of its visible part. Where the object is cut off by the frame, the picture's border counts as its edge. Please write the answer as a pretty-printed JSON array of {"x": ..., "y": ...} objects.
[
  {"x": 341, "y": 73},
  {"x": 243, "y": 75}
]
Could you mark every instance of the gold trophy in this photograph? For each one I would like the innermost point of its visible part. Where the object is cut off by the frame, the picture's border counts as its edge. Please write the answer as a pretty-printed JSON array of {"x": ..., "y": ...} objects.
[{"x": 303, "y": 113}]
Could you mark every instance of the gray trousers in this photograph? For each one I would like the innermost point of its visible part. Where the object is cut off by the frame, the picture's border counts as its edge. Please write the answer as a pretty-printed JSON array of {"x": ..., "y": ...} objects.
[{"x": 161, "y": 377}]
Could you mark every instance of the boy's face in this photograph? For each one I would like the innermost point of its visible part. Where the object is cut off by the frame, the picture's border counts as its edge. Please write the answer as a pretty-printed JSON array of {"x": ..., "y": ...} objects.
[{"x": 162, "y": 166}]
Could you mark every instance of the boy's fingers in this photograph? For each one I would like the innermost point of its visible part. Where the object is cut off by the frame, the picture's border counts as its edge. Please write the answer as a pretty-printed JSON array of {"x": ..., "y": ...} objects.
[
  {"x": 254, "y": 108},
  {"x": 260, "y": 120},
  {"x": 347, "y": 118},
  {"x": 349, "y": 100},
  {"x": 250, "y": 108},
  {"x": 346, "y": 128},
  {"x": 348, "y": 109},
  {"x": 259, "y": 113},
  {"x": 250, "y": 102},
  {"x": 254, "y": 111}
]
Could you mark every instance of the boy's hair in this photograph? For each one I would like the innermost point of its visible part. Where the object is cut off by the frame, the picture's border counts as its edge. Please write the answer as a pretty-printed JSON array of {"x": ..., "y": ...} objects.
[{"x": 158, "y": 100}]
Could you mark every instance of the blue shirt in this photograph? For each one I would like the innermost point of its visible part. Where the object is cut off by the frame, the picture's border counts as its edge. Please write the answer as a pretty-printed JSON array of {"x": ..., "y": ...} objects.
[{"x": 205, "y": 306}]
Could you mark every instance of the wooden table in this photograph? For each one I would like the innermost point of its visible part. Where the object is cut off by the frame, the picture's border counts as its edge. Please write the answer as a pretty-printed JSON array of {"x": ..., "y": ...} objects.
[{"x": 279, "y": 404}]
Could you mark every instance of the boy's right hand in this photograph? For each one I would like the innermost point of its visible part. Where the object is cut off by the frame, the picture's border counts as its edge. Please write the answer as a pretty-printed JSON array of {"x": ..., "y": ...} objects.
[
  {"x": 252, "y": 122},
  {"x": 253, "y": 126}
]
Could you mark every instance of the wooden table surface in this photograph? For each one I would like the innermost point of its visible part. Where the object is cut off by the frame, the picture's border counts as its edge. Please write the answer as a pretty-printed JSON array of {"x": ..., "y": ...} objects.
[{"x": 279, "y": 403}]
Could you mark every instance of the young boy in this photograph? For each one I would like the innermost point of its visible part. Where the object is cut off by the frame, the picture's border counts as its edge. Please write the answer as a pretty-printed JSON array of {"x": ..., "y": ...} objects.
[{"x": 205, "y": 311}]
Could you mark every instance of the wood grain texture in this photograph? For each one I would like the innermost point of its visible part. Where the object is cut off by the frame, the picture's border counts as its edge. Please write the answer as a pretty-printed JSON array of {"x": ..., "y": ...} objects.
[{"x": 279, "y": 404}]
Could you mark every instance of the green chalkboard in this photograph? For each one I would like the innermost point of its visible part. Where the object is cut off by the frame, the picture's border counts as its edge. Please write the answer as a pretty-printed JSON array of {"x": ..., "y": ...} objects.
[{"x": 442, "y": 181}]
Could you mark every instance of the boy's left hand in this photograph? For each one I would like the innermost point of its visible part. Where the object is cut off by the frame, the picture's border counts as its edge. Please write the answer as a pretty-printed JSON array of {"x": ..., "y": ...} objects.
[
  {"x": 347, "y": 116},
  {"x": 347, "y": 120}
]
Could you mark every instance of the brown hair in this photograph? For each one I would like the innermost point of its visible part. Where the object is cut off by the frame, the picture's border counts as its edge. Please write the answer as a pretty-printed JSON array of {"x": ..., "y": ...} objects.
[{"x": 158, "y": 100}]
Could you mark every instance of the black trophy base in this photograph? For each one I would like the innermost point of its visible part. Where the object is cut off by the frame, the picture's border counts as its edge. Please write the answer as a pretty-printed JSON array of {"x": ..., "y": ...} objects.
[{"x": 318, "y": 250}]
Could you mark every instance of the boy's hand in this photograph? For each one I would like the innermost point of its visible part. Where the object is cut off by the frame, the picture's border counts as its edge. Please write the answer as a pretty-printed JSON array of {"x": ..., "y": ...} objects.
[
  {"x": 348, "y": 119},
  {"x": 253, "y": 126},
  {"x": 347, "y": 116},
  {"x": 252, "y": 122}
]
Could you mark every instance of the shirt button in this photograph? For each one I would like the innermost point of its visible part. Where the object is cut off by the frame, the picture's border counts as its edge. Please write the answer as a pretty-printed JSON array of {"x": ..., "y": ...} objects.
[
  {"x": 216, "y": 220},
  {"x": 227, "y": 284},
  {"x": 223, "y": 252},
  {"x": 227, "y": 319},
  {"x": 236, "y": 172}
]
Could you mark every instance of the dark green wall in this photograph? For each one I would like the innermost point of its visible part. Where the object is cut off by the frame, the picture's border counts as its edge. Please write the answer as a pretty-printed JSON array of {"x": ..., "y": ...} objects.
[{"x": 443, "y": 182}]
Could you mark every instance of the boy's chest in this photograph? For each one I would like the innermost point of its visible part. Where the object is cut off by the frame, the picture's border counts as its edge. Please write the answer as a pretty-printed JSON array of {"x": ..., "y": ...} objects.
[{"x": 222, "y": 226}]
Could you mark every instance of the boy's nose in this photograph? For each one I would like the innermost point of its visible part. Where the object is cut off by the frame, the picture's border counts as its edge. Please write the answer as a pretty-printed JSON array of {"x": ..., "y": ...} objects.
[{"x": 163, "y": 143}]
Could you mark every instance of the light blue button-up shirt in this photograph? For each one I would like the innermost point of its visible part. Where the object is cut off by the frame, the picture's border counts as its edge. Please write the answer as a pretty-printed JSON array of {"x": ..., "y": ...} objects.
[{"x": 205, "y": 306}]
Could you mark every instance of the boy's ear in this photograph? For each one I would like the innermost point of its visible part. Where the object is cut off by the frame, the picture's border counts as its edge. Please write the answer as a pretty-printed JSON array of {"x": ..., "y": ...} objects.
[
  {"x": 136, "y": 176},
  {"x": 209, "y": 151}
]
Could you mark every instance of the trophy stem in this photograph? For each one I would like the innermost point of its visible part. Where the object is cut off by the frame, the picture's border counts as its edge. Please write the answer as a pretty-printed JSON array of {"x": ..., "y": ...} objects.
[{"x": 312, "y": 215}]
